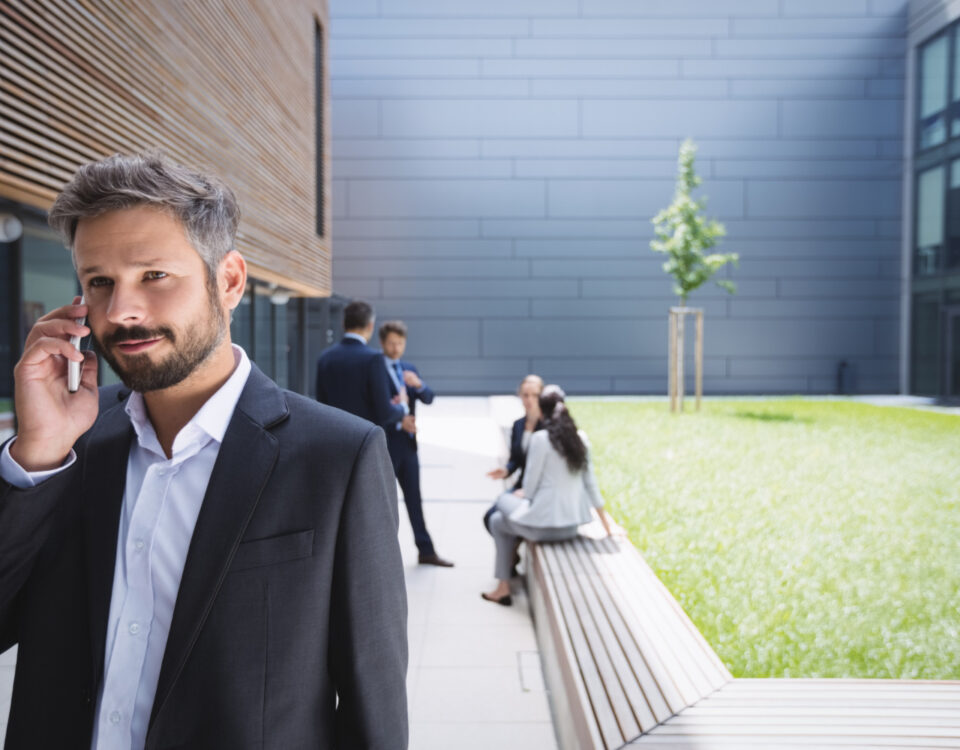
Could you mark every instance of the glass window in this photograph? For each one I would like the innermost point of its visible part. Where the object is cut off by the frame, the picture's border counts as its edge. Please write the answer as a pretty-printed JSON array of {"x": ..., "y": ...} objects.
[
  {"x": 263, "y": 330},
  {"x": 953, "y": 217},
  {"x": 955, "y": 117},
  {"x": 933, "y": 92},
  {"x": 929, "y": 235},
  {"x": 281, "y": 346},
  {"x": 49, "y": 280},
  {"x": 9, "y": 343},
  {"x": 953, "y": 352},
  {"x": 241, "y": 322},
  {"x": 925, "y": 345}
]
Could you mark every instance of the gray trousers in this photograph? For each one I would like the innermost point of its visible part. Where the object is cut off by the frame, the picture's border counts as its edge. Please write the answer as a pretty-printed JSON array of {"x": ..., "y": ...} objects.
[{"x": 507, "y": 534}]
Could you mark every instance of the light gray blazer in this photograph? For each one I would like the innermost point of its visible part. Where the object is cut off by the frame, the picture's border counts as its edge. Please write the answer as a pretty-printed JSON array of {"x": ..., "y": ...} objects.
[{"x": 555, "y": 497}]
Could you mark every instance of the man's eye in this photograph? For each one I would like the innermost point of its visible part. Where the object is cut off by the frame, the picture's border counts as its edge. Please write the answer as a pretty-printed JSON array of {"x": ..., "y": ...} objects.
[
  {"x": 98, "y": 281},
  {"x": 154, "y": 275}
]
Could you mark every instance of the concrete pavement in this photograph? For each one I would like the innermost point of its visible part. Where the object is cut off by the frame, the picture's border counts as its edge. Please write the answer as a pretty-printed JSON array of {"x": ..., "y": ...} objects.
[{"x": 474, "y": 680}]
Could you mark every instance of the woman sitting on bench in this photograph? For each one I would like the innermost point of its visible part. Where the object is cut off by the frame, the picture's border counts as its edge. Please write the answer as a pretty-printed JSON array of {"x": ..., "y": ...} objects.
[{"x": 558, "y": 492}]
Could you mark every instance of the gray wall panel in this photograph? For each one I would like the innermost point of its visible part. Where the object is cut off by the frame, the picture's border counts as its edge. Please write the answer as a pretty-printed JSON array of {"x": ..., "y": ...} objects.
[{"x": 497, "y": 163}]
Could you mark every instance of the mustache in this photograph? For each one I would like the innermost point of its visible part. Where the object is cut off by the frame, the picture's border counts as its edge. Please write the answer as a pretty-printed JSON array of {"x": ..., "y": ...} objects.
[{"x": 138, "y": 333}]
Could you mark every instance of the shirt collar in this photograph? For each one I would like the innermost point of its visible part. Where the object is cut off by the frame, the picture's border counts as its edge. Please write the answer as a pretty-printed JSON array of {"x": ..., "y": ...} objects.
[
  {"x": 356, "y": 336},
  {"x": 211, "y": 420}
]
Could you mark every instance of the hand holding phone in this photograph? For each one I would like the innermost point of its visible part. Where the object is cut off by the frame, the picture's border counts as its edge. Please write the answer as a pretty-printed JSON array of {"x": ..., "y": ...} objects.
[
  {"x": 73, "y": 368},
  {"x": 50, "y": 417}
]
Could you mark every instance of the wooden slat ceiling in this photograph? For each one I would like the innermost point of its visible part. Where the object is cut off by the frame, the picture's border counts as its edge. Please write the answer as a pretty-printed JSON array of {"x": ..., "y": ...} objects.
[{"x": 225, "y": 85}]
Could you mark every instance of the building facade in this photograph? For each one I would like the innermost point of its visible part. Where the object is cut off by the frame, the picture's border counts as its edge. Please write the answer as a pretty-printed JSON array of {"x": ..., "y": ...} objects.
[
  {"x": 235, "y": 87},
  {"x": 496, "y": 166},
  {"x": 932, "y": 200}
]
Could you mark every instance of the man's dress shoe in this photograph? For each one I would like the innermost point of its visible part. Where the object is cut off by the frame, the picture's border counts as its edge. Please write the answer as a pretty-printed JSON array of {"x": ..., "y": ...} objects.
[{"x": 435, "y": 559}]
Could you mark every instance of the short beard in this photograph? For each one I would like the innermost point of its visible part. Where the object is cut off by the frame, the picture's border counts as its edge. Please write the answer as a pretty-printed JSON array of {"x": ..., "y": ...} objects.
[{"x": 139, "y": 373}]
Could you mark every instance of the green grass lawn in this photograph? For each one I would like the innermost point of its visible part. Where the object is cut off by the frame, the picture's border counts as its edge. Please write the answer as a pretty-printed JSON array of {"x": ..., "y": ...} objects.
[
  {"x": 804, "y": 538},
  {"x": 6, "y": 404}
]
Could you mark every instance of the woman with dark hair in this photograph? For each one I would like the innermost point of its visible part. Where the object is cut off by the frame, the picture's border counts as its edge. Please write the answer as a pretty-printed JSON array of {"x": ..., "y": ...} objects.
[{"x": 558, "y": 492}]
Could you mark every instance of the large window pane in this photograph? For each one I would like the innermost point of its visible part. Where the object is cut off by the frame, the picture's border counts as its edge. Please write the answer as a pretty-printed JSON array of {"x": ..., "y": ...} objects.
[
  {"x": 9, "y": 335},
  {"x": 925, "y": 339},
  {"x": 930, "y": 186},
  {"x": 933, "y": 92},
  {"x": 263, "y": 330},
  {"x": 953, "y": 217},
  {"x": 241, "y": 322},
  {"x": 49, "y": 280},
  {"x": 281, "y": 345}
]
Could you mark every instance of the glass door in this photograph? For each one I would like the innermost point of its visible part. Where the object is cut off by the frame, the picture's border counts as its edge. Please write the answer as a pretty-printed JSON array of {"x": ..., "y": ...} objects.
[{"x": 953, "y": 352}]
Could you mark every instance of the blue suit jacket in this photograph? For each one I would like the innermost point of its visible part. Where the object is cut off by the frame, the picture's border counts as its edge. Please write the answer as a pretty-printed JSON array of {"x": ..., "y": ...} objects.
[
  {"x": 351, "y": 376},
  {"x": 518, "y": 459},
  {"x": 425, "y": 394}
]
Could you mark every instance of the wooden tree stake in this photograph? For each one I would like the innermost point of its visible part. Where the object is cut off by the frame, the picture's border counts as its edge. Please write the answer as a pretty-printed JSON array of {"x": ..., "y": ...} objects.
[{"x": 677, "y": 348}]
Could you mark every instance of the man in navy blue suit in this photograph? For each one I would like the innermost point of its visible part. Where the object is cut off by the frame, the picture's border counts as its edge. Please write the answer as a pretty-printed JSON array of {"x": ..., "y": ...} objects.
[
  {"x": 351, "y": 376},
  {"x": 405, "y": 382}
]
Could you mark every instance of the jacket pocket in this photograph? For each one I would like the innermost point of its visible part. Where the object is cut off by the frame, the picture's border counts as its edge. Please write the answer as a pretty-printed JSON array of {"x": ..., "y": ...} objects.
[{"x": 276, "y": 549}]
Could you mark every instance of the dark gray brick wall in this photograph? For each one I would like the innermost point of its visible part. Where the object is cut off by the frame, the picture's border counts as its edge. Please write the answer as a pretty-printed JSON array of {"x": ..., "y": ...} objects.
[{"x": 496, "y": 164}]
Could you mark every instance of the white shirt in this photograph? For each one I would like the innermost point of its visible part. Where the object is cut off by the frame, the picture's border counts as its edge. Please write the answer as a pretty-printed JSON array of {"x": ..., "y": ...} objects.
[{"x": 161, "y": 502}]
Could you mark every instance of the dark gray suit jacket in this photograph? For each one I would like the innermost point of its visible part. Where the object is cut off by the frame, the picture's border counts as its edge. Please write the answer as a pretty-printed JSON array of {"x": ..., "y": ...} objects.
[{"x": 289, "y": 629}]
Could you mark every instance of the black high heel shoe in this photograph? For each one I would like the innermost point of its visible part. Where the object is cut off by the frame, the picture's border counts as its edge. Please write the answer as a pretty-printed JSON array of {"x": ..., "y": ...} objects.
[{"x": 506, "y": 600}]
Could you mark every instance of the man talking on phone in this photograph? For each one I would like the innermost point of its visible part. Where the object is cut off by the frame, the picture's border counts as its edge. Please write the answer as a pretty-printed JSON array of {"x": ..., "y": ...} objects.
[{"x": 199, "y": 559}]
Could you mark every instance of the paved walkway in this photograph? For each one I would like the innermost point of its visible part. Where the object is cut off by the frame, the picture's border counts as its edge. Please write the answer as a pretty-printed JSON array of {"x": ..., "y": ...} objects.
[{"x": 475, "y": 680}]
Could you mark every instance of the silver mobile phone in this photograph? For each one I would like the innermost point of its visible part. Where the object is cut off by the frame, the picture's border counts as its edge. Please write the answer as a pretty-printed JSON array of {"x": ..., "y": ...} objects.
[{"x": 73, "y": 368}]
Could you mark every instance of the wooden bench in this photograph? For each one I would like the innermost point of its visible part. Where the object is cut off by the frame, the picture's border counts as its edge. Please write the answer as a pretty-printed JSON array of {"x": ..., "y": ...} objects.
[
  {"x": 625, "y": 666},
  {"x": 620, "y": 655}
]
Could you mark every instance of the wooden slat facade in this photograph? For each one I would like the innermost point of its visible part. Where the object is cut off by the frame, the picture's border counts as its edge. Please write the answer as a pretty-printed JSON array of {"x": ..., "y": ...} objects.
[{"x": 225, "y": 85}]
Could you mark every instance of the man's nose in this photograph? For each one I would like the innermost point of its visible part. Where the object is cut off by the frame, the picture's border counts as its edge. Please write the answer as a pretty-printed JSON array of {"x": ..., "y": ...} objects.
[{"x": 126, "y": 306}]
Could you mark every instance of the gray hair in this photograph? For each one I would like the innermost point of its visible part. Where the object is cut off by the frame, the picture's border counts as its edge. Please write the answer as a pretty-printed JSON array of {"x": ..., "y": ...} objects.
[{"x": 206, "y": 207}]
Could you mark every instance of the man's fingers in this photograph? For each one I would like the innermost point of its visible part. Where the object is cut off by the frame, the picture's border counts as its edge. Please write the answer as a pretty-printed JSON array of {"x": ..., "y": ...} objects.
[
  {"x": 44, "y": 347},
  {"x": 67, "y": 311},
  {"x": 56, "y": 327}
]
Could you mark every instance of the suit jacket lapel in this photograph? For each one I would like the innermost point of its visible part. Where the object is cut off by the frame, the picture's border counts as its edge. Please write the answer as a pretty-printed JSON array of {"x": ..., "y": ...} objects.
[
  {"x": 107, "y": 452},
  {"x": 246, "y": 460}
]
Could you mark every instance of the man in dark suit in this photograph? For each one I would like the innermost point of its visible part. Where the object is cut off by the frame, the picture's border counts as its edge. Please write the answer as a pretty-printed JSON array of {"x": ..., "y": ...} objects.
[
  {"x": 351, "y": 376},
  {"x": 199, "y": 560},
  {"x": 402, "y": 436}
]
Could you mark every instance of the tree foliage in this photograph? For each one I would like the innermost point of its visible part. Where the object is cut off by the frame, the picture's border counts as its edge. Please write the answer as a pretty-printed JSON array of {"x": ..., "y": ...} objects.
[{"x": 684, "y": 233}]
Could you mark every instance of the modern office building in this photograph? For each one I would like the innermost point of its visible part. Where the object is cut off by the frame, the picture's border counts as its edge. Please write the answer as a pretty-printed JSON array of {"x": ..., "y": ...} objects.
[
  {"x": 496, "y": 166},
  {"x": 932, "y": 187},
  {"x": 236, "y": 87}
]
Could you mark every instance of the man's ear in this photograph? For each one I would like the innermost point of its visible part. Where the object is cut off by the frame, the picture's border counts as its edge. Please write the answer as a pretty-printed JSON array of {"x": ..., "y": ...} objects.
[{"x": 232, "y": 279}]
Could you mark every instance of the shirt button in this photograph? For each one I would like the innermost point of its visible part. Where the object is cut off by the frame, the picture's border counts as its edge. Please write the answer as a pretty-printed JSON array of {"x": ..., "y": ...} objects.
[
  {"x": 138, "y": 544},
  {"x": 115, "y": 717},
  {"x": 134, "y": 628}
]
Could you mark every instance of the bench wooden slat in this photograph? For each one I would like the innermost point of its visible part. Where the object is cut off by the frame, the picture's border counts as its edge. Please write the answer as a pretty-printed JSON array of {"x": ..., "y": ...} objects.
[
  {"x": 629, "y": 702},
  {"x": 646, "y": 642},
  {"x": 685, "y": 657},
  {"x": 570, "y": 685},
  {"x": 606, "y": 722},
  {"x": 610, "y": 703},
  {"x": 706, "y": 658},
  {"x": 645, "y": 692}
]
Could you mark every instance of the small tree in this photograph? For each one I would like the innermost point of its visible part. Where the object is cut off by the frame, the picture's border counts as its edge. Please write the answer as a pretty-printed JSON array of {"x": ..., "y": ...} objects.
[{"x": 683, "y": 233}]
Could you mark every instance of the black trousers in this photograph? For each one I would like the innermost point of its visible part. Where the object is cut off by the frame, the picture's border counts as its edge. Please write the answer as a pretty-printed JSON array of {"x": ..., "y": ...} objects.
[{"x": 406, "y": 467}]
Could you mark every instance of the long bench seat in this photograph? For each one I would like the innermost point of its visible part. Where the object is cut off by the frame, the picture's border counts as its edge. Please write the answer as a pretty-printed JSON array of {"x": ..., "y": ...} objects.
[{"x": 625, "y": 666}]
